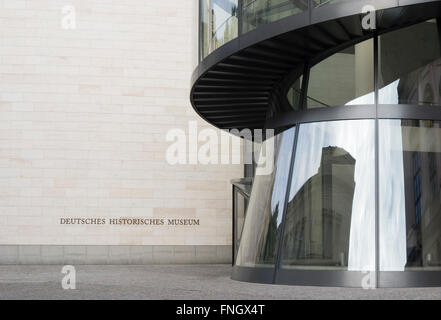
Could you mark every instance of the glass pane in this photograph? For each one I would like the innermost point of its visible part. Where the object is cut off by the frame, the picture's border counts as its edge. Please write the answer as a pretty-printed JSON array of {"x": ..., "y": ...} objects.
[
  {"x": 295, "y": 93},
  {"x": 260, "y": 235},
  {"x": 219, "y": 24},
  {"x": 240, "y": 211},
  {"x": 330, "y": 220},
  {"x": 410, "y": 70},
  {"x": 319, "y": 3},
  {"x": 410, "y": 195},
  {"x": 345, "y": 78},
  {"x": 258, "y": 12},
  {"x": 205, "y": 28}
]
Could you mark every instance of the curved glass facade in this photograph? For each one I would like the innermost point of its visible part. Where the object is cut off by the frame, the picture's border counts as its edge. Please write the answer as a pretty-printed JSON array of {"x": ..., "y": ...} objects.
[
  {"x": 410, "y": 195},
  {"x": 261, "y": 232},
  {"x": 330, "y": 217},
  {"x": 320, "y": 3},
  {"x": 355, "y": 195},
  {"x": 356, "y": 183},
  {"x": 317, "y": 210},
  {"x": 330, "y": 212},
  {"x": 410, "y": 71},
  {"x": 221, "y": 21},
  {"x": 345, "y": 78},
  {"x": 259, "y": 12}
]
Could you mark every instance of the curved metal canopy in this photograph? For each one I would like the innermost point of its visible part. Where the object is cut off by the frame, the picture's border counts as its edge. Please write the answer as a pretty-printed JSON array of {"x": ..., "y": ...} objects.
[{"x": 232, "y": 88}]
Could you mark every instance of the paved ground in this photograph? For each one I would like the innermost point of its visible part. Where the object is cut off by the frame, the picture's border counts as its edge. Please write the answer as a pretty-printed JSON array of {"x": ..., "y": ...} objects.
[{"x": 170, "y": 282}]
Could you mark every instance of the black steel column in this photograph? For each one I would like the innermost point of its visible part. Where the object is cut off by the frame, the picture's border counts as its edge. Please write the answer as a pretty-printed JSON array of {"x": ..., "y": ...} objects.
[
  {"x": 377, "y": 166},
  {"x": 233, "y": 226}
]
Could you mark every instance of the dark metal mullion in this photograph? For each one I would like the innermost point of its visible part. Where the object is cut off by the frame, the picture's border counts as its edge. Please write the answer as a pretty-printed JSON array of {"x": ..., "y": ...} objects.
[
  {"x": 239, "y": 17},
  {"x": 285, "y": 207},
  {"x": 304, "y": 89},
  {"x": 377, "y": 164},
  {"x": 234, "y": 230},
  {"x": 235, "y": 247},
  {"x": 200, "y": 31},
  {"x": 310, "y": 6},
  {"x": 438, "y": 23}
]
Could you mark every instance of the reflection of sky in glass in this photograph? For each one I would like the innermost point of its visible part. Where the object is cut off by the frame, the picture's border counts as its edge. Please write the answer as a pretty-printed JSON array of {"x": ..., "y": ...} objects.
[
  {"x": 389, "y": 94},
  {"x": 222, "y": 16},
  {"x": 366, "y": 99},
  {"x": 392, "y": 197},
  {"x": 357, "y": 138}
]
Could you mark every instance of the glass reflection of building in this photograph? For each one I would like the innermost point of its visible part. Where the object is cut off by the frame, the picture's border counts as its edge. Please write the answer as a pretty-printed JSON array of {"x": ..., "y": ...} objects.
[
  {"x": 409, "y": 178},
  {"x": 318, "y": 234},
  {"x": 218, "y": 24},
  {"x": 422, "y": 193},
  {"x": 410, "y": 71}
]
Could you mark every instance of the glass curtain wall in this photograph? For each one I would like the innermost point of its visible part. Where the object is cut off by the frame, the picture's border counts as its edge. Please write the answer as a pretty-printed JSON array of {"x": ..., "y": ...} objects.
[
  {"x": 410, "y": 195},
  {"x": 345, "y": 78},
  {"x": 320, "y": 3},
  {"x": 259, "y": 12},
  {"x": 410, "y": 159},
  {"x": 329, "y": 202},
  {"x": 410, "y": 65},
  {"x": 330, "y": 221},
  {"x": 261, "y": 232},
  {"x": 409, "y": 72},
  {"x": 219, "y": 19}
]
